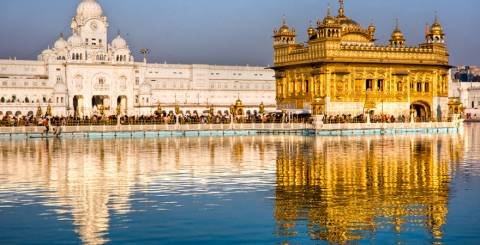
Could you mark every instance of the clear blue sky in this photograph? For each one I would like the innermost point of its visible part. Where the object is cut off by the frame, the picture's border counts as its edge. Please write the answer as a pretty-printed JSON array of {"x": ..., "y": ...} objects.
[{"x": 231, "y": 31}]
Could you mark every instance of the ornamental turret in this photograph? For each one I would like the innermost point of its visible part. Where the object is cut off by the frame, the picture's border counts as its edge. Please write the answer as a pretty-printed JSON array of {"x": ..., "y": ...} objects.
[
  {"x": 397, "y": 38},
  {"x": 285, "y": 35},
  {"x": 312, "y": 33},
  {"x": 329, "y": 27},
  {"x": 371, "y": 30},
  {"x": 436, "y": 34}
]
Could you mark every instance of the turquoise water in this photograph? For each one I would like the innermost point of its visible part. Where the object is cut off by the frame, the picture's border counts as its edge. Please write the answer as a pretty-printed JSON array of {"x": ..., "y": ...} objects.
[{"x": 242, "y": 190}]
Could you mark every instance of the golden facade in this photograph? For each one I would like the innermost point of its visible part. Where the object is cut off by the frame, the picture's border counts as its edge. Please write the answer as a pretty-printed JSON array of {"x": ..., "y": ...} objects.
[
  {"x": 343, "y": 66},
  {"x": 389, "y": 184}
]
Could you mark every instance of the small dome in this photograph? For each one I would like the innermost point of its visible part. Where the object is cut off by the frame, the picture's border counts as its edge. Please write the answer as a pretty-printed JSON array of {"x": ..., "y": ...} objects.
[
  {"x": 119, "y": 42},
  {"x": 329, "y": 20},
  {"x": 89, "y": 9},
  {"x": 436, "y": 28},
  {"x": 145, "y": 89},
  {"x": 311, "y": 31},
  {"x": 371, "y": 28},
  {"x": 284, "y": 28},
  {"x": 60, "y": 88},
  {"x": 75, "y": 41},
  {"x": 47, "y": 52},
  {"x": 60, "y": 44},
  {"x": 347, "y": 22},
  {"x": 397, "y": 34}
]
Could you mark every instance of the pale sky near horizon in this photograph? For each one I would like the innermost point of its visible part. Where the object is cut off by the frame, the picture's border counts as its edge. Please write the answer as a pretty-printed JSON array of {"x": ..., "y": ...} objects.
[{"x": 231, "y": 32}]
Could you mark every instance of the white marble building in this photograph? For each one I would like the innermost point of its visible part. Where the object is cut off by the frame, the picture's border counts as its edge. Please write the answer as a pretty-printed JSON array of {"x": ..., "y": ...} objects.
[
  {"x": 466, "y": 90},
  {"x": 84, "y": 71}
]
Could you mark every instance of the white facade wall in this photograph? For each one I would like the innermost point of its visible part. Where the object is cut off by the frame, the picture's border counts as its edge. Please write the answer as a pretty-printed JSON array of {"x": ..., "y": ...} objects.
[{"x": 69, "y": 75}]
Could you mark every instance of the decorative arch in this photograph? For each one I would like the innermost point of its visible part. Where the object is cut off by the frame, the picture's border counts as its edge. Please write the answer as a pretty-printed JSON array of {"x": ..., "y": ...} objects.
[{"x": 421, "y": 109}]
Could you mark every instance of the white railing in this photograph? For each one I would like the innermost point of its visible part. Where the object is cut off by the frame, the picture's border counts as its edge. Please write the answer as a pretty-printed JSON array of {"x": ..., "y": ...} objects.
[{"x": 267, "y": 127}]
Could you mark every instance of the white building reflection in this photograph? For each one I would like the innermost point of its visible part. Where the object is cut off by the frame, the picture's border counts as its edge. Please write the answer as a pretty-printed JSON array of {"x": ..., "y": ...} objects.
[{"x": 95, "y": 179}]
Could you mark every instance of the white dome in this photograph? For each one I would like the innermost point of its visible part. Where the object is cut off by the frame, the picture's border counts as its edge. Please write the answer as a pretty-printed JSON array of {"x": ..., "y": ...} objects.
[
  {"x": 75, "y": 41},
  {"x": 145, "y": 89},
  {"x": 60, "y": 44},
  {"x": 47, "y": 52},
  {"x": 89, "y": 9},
  {"x": 60, "y": 88},
  {"x": 119, "y": 42}
]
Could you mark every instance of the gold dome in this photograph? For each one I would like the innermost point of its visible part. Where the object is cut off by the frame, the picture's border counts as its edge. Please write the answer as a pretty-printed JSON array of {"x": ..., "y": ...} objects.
[
  {"x": 284, "y": 28},
  {"x": 436, "y": 28},
  {"x": 329, "y": 19},
  {"x": 311, "y": 31},
  {"x": 371, "y": 28},
  {"x": 397, "y": 34}
]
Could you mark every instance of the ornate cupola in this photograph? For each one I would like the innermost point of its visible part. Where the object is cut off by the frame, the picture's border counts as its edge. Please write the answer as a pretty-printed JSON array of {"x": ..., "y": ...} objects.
[
  {"x": 284, "y": 35},
  {"x": 312, "y": 33},
  {"x": 371, "y": 30},
  {"x": 436, "y": 34},
  {"x": 329, "y": 27},
  {"x": 397, "y": 39}
]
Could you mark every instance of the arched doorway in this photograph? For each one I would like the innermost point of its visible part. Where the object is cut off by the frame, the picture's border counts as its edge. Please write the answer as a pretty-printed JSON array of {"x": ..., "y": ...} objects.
[
  {"x": 101, "y": 100},
  {"x": 122, "y": 105},
  {"x": 78, "y": 105},
  {"x": 421, "y": 110}
]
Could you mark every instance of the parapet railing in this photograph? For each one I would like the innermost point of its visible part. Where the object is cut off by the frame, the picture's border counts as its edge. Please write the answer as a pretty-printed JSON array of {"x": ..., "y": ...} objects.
[{"x": 163, "y": 127}]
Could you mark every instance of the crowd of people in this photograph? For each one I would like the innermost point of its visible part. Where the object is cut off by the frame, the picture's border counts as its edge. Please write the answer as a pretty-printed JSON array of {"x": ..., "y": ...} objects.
[
  {"x": 362, "y": 118},
  {"x": 196, "y": 118}
]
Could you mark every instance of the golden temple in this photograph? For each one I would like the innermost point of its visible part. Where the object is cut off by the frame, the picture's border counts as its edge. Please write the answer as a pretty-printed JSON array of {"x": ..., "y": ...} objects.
[{"x": 342, "y": 68}]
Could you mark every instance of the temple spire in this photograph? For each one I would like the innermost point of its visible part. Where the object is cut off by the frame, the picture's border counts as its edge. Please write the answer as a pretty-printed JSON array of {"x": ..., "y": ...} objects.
[
  {"x": 341, "y": 10},
  {"x": 436, "y": 18}
]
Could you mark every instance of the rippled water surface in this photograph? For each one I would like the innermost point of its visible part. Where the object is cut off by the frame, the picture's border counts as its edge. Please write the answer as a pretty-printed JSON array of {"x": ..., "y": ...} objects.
[{"x": 257, "y": 190}]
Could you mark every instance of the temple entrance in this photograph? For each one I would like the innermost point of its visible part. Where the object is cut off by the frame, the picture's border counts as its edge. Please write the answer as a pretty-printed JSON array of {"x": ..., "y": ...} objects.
[
  {"x": 421, "y": 110},
  {"x": 100, "y": 103},
  {"x": 122, "y": 105},
  {"x": 78, "y": 105}
]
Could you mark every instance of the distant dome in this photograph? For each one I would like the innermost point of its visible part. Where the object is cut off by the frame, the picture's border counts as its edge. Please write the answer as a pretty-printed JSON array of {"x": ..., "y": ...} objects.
[
  {"x": 47, "y": 51},
  {"x": 75, "y": 41},
  {"x": 60, "y": 88},
  {"x": 119, "y": 42},
  {"x": 347, "y": 22},
  {"x": 60, "y": 44},
  {"x": 145, "y": 89},
  {"x": 89, "y": 9}
]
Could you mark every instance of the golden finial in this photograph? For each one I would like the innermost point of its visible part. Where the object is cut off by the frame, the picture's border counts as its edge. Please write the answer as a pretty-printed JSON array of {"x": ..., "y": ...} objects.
[
  {"x": 341, "y": 10},
  {"x": 328, "y": 10},
  {"x": 397, "y": 26},
  {"x": 436, "y": 18},
  {"x": 284, "y": 20}
]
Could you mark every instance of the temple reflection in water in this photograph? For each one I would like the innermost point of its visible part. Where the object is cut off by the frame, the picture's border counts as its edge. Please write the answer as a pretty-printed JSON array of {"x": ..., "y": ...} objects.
[
  {"x": 330, "y": 189},
  {"x": 348, "y": 189},
  {"x": 90, "y": 181}
]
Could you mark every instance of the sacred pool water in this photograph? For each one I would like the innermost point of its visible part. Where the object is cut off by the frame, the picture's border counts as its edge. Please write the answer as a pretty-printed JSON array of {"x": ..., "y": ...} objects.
[{"x": 242, "y": 190}]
